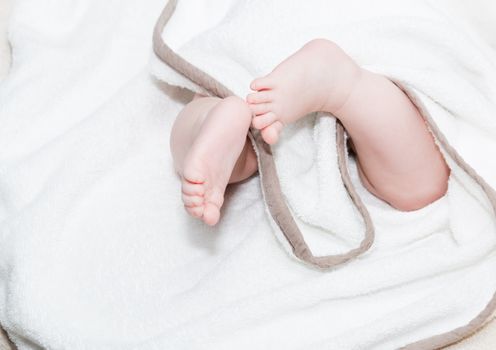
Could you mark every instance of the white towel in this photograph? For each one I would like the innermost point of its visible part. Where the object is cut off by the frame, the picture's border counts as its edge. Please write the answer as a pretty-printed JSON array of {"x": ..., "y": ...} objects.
[
  {"x": 447, "y": 71},
  {"x": 98, "y": 253}
]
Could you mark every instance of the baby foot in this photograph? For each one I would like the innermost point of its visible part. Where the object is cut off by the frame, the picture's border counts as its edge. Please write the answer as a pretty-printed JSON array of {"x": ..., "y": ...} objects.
[
  {"x": 210, "y": 161},
  {"x": 318, "y": 77}
]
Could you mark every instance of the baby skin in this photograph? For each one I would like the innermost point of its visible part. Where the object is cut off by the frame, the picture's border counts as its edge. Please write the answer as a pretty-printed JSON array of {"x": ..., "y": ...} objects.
[{"x": 397, "y": 158}]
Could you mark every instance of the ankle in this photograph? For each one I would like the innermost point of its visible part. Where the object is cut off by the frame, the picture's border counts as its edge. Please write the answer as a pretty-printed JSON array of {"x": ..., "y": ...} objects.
[
  {"x": 347, "y": 87},
  {"x": 340, "y": 70},
  {"x": 349, "y": 77}
]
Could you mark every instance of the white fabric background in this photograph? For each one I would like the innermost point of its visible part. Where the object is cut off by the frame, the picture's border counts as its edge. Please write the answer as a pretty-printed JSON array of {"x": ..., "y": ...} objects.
[{"x": 479, "y": 13}]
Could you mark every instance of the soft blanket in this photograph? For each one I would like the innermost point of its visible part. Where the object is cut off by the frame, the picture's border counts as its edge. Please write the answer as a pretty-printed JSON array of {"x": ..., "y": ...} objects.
[{"x": 98, "y": 253}]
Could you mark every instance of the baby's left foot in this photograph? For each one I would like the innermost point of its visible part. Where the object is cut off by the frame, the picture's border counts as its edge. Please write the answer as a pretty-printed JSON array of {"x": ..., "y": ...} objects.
[{"x": 318, "y": 77}]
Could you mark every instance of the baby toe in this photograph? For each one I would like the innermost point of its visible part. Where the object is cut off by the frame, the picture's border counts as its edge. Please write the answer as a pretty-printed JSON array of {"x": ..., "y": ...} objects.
[
  {"x": 260, "y": 108},
  {"x": 263, "y": 120},
  {"x": 211, "y": 214},
  {"x": 271, "y": 133},
  {"x": 262, "y": 83},
  {"x": 192, "y": 189},
  {"x": 191, "y": 201},
  {"x": 197, "y": 212},
  {"x": 278, "y": 125},
  {"x": 216, "y": 197},
  {"x": 259, "y": 97}
]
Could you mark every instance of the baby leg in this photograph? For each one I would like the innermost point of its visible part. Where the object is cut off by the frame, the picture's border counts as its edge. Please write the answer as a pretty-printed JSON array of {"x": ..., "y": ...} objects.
[
  {"x": 398, "y": 160},
  {"x": 210, "y": 149}
]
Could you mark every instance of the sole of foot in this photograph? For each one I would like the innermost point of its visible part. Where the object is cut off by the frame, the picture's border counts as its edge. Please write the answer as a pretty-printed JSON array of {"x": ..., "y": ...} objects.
[{"x": 210, "y": 161}]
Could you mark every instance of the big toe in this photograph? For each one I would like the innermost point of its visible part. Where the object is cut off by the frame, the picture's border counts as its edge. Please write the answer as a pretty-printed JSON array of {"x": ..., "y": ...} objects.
[
  {"x": 211, "y": 214},
  {"x": 270, "y": 134}
]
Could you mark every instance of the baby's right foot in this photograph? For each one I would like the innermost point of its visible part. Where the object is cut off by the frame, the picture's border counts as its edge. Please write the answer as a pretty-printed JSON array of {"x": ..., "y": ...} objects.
[{"x": 317, "y": 77}]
